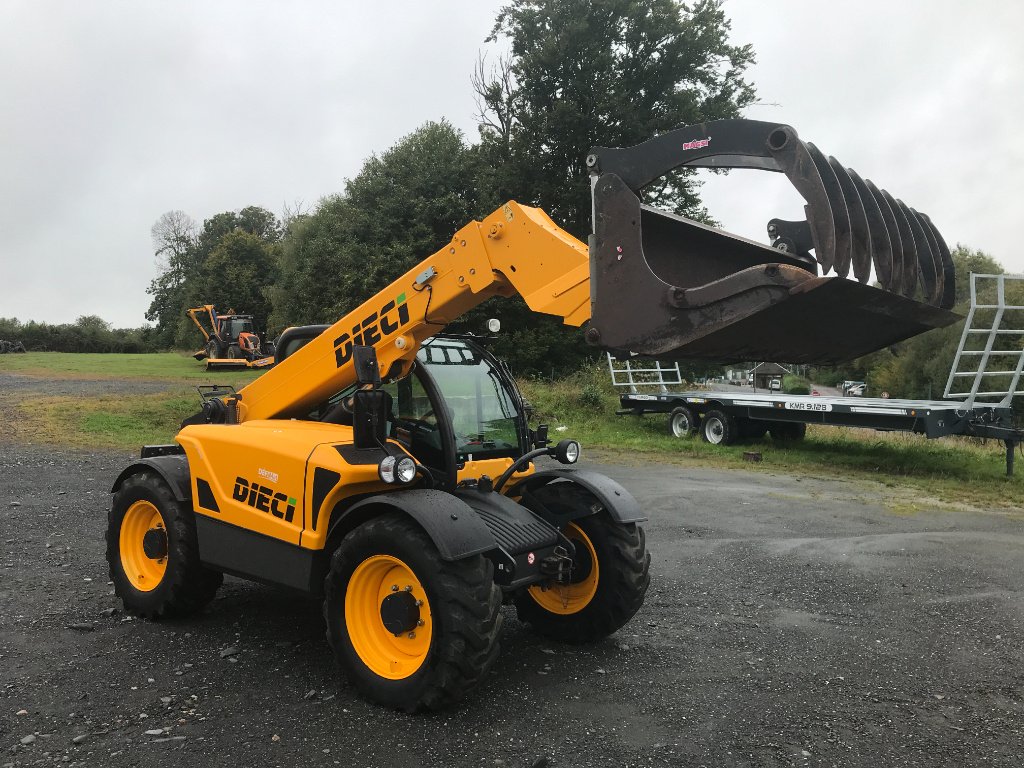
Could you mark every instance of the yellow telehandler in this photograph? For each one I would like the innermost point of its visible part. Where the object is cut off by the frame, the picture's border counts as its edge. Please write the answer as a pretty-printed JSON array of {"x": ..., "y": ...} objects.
[{"x": 390, "y": 468}]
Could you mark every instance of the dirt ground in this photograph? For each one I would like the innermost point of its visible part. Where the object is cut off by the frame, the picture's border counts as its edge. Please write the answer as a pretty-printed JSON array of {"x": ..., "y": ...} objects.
[{"x": 790, "y": 622}]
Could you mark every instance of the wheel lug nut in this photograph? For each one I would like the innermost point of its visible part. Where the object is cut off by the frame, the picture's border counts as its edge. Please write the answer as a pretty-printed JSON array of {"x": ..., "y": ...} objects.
[
  {"x": 394, "y": 587},
  {"x": 408, "y": 588},
  {"x": 419, "y": 622},
  {"x": 412, "y": 635},
  {"x": 419, "y": 603}
]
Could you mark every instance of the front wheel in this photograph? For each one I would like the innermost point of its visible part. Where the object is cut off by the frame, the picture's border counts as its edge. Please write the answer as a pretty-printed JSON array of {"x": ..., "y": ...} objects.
[
  {"x": 153, "y": 552},
  {"x": 609, "y": 579},
  {"x": 413, "y": 631}
]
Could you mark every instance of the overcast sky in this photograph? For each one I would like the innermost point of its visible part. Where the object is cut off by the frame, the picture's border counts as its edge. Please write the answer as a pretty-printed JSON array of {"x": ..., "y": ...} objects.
[{"x": 116, "y": 112}]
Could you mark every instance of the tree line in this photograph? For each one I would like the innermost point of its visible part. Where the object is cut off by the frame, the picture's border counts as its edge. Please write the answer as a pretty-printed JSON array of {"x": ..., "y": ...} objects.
[{"x": 578, "y": 73}]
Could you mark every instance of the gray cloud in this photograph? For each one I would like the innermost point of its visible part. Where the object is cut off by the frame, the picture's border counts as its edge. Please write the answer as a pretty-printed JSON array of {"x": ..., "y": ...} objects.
[{"x": 116, "y": 112}]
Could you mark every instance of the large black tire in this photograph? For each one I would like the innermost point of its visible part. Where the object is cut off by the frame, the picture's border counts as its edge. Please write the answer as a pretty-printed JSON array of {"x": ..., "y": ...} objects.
[
  {"x": 787, "y": 430},
  {"x": 718, "y": 428},
  {"x": 463, "y": 611},
  {"x": 682, "y": 422},
  {"x": 212, "y": 349},
  {"x": 157, "y": 588},
  {"x": 235, "y": 352},
  {"x": 753, "y": 429},
  {"x": 623, "y": 575}
]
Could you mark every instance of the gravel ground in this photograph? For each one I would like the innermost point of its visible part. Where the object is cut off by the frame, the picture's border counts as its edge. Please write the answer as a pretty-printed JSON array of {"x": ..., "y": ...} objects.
[
  {"x": 20, "y": 385},
  {"x": 789, "y": 622}
]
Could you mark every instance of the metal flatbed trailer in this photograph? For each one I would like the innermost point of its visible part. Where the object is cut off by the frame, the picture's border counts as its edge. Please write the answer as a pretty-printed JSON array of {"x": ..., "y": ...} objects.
[
  {"x": 722, "y": 417},
  {"x": 986, "y": 374}
]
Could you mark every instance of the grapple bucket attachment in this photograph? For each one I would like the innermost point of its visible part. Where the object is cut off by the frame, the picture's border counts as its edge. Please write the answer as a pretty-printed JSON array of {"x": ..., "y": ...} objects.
[{"x": 663, "y": 285}]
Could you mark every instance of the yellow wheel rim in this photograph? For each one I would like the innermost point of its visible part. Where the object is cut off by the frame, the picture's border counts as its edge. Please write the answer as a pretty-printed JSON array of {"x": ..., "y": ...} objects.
[
  {"x": 143, "y": 572},
  {"x": 565, "y": 599},
  {"x": 388, "y": 655}
]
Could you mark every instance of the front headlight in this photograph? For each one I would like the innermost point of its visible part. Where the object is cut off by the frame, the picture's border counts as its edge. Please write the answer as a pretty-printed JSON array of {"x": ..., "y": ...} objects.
[
  {"x": 401, "y": 470},
  {"x": 405, "y": 470},
  {"x": 567, "y": 451}
]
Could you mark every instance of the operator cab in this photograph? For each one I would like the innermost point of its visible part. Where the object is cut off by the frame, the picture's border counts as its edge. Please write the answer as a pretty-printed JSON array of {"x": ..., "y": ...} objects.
[{"x": 460, "y": 406}]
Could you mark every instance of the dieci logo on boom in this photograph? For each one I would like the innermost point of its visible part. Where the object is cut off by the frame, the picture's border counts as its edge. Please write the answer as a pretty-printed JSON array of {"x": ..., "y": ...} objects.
[
  {"x": 264, "y": 499},
  {"x": 369, "y": 332}
]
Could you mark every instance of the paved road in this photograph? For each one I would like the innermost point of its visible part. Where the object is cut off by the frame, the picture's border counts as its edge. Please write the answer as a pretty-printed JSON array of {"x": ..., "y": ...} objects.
[{"x": 789, "y": 623}]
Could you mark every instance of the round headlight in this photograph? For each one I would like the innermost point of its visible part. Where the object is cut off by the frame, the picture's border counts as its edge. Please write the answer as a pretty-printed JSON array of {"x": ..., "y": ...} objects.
[
  {"x": 567, "y": 451},
  {"x": 386, "y": 469},
  {"x": 405, "y": 470}
]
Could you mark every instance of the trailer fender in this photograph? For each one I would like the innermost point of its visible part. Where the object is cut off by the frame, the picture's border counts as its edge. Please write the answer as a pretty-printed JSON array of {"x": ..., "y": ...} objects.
[
  {"x": 616, "y": 500},
  {"x": 173, "y": 469},
  {"x": 451, "y": 524}
]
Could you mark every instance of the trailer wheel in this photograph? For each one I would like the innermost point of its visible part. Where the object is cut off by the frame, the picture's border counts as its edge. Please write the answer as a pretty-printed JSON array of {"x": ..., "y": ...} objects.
[
  {"x": 751, "y": 428},
  {"x": 610, "y": 579},
  {"x": 718, "y": 428},
  {"x": 682, "y": 422},
  {"x": 412, "y": 631},
  {"x": 787, "y": 430},
  {"x": 153, "y": 552}
]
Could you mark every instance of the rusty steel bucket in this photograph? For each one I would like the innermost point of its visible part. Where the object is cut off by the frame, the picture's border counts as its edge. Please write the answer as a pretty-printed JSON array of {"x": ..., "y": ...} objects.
[{"x": 666, "y": 286}]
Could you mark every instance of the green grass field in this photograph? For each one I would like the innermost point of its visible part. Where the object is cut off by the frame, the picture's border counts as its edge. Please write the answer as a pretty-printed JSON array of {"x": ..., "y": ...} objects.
[
  {"x": 957, "y": 470},
  {"x": 164, "y": 366}
]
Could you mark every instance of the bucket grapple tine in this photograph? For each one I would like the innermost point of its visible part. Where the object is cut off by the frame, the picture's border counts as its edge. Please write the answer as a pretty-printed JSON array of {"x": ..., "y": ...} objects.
[
  {"x": 664, "y": 285},
  {"x": 795, "y": 160},
  {"x": 840, "y": 214},
  {"x": 948, "y": 269},
  {"x": 860, "y": 237},
  {"x": 925, "y": 261},
  {"x": 881, "y": 245},
  {"x": 893, "y": 230},
  {"x": 911, "y": 267},
  {"x": 936, "y": 261}
]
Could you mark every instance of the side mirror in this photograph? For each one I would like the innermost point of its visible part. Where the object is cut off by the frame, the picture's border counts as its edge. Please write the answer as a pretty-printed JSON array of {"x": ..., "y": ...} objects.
[
  {"x": 539, "y": 438},
  {"x": 367, "y": 369}
]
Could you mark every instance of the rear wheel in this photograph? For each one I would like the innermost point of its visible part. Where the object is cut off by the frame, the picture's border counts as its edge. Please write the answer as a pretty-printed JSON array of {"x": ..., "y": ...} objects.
[
  {"x": 235, "y": 352},
  {"x": 212, "y": 349},
  {"x": 609, "y": 580},
  {"x": 718, "y": 428},
  {"x": 412, "y": 631},
  {"x": 681, "y": 422},
  {"x": 787, "y": 430},
  {"x": 752, "y": 428},
  {"x": 153, "y": 552}
]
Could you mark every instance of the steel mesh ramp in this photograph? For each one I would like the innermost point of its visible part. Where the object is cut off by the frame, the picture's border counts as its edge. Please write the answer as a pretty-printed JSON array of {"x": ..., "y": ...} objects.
[{"x": 990, "y": 357}]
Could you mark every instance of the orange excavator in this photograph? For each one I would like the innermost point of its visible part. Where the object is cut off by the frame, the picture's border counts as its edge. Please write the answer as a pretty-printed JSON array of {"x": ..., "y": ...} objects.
[{"x": 230, "y": 340}]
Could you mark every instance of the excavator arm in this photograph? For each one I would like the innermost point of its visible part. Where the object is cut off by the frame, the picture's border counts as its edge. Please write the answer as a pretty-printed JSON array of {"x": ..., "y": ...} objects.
[{"x": 210, "y": 314}]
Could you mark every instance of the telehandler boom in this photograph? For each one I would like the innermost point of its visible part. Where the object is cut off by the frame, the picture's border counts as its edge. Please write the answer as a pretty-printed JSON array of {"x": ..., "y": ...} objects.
[{"x": 390, "y": 467}]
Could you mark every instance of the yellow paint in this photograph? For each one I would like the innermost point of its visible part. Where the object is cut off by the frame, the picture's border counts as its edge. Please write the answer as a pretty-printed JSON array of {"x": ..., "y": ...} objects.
[
  {"x": 143, "y": 573},
  {"x": 565, "y": 599},
  {"x": 532, "y": 257},
  {"x": 386, "y": 655}
]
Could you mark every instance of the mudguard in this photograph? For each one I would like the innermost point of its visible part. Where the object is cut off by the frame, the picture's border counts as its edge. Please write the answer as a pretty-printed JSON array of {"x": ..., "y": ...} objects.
[
  {"x": 173, "y": 469},
  {"x": 456, "y": 530},
  {"x": 618, "y": 502}
]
